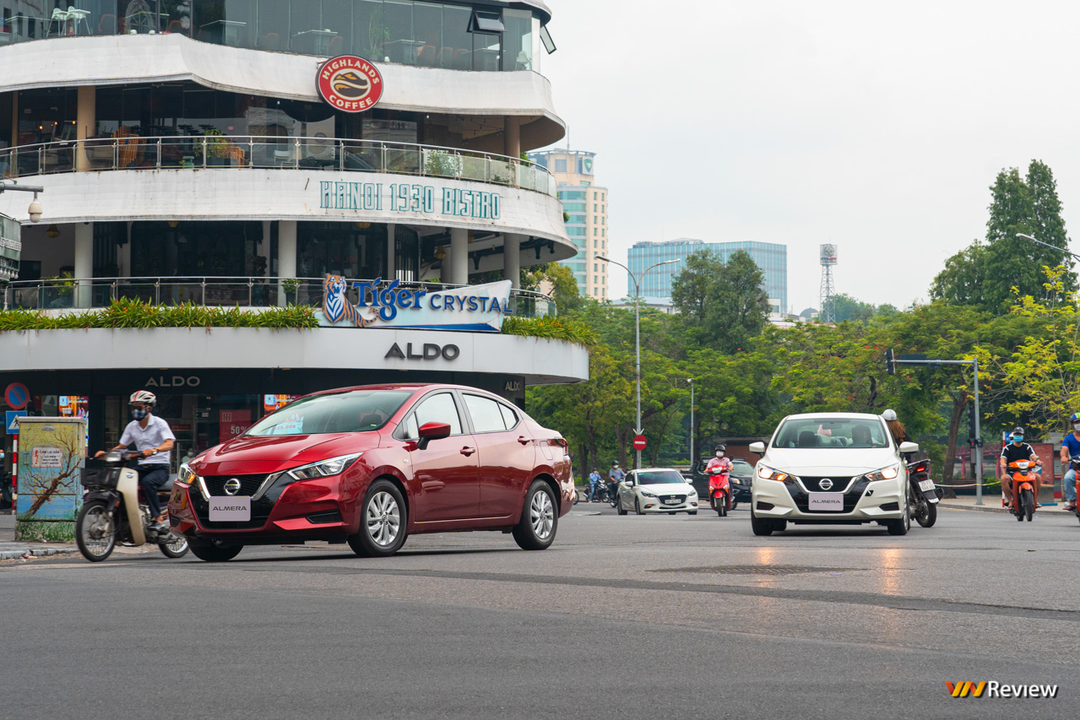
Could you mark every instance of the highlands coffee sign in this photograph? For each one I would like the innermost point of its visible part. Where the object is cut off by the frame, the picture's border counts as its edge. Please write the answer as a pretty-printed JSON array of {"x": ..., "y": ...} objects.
[{"x": 349, "y": 83}]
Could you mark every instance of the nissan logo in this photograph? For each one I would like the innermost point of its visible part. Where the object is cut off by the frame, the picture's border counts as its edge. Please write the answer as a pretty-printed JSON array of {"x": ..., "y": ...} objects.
[
  {"x": 232, "y": 486},
  {"x": 826, "y": 484}
]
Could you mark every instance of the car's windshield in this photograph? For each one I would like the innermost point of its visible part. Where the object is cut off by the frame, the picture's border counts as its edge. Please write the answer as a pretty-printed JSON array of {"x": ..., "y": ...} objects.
[
  {"x": 831, "y": 432},
  {"x": 355, "y": 411},
  {"x": 741, "y": 467},
  {"x": 659, "y": 477}
]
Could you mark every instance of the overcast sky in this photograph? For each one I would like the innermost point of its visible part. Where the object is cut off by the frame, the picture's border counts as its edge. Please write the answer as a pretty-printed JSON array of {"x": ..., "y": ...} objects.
[{"x": 876, "y": 126}]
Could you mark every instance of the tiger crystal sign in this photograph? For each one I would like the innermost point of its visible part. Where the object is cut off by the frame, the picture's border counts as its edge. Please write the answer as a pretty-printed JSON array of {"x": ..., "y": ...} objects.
[{"x": 386, "y": 304}]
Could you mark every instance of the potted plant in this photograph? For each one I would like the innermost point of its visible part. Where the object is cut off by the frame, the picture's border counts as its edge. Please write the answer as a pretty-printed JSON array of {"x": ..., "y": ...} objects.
[
  {"x": 214, "y": 147},
  {"x": 290, "y": 286}
]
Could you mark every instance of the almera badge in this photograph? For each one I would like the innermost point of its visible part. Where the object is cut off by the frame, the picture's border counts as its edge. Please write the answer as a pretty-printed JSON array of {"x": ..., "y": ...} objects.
[{"x": 349, "y": 83}]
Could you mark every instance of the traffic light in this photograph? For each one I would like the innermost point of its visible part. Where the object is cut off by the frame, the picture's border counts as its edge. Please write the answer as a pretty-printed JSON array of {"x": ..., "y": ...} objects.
[{"x": 890, "y": 362}]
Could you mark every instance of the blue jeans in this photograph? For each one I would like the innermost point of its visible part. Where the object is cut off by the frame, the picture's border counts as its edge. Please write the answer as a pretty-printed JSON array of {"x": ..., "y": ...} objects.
[
  {"x": 1070, "y": 486},
  {"x": 151, "y": 477},
  {"x": 594, "y": 486}
]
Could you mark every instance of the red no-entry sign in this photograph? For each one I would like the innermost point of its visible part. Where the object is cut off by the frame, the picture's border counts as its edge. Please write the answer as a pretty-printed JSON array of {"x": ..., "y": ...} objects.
[{"x": 639, "y": 442}]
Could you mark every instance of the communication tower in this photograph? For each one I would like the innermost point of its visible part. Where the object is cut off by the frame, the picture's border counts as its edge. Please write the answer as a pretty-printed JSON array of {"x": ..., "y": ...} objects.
[{"x": 828, "y": 260}]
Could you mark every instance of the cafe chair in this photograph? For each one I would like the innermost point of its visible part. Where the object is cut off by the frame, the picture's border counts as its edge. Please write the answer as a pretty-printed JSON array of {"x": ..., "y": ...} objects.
[
  {"x": 107, "y": 24},
  {"x": 335, "y": 46},
  {"x": 426, "y": 56},
  {"x": 270, "y": 41}
]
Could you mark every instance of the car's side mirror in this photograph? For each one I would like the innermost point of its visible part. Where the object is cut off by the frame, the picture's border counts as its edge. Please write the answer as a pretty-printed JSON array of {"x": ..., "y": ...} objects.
[
  {"x": 757, "y": 447},
  {"x": 908, "y": 447},
  {"x": 432, "y": 431}
]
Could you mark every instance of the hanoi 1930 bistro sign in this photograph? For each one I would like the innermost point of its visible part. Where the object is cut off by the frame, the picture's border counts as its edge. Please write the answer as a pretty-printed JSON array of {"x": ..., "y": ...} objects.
[
  {"x": 479, "y": 308},
  {"x": 349, "y": 83},
  {"x": 409, "y": 198}
]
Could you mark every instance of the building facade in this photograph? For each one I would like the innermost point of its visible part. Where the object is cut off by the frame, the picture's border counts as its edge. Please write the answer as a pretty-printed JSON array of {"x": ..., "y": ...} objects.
[
  {"x": 245, "y": 152},
  {"x": 770, "y": 257},
  {"x": 585, "y": 204}
]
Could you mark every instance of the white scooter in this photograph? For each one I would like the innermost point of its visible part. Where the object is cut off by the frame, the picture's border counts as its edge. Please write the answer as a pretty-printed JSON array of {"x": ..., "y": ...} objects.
[{"x": 112, "y": 513}]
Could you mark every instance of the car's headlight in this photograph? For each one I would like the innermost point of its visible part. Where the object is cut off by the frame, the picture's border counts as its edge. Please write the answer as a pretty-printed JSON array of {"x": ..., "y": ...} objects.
[
  {"x": 185, "y": 474},
  {"x": 693, "y": 493},
  {"x": 646, "y": 493},
  {"x": 888, "y": 473},
  {"x": 767, "y": 473},
  {"x": 323, "y": 468}
]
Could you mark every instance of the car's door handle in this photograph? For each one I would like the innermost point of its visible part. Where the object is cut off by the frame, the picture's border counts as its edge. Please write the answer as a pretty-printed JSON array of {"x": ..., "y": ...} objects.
[
  {"x": 467, "y": 451},
  {"x": 523, "y": 440}
]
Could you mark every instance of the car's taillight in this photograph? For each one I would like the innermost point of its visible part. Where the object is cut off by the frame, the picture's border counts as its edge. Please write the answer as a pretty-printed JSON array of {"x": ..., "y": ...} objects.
[{"x": 561, "y": 442}]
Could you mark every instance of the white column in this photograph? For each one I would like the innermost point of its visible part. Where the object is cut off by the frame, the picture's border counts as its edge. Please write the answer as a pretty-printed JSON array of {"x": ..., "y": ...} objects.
[
  {"x": 391, "y": 252},
  {"x": 459, "y": 256},
  {"x": 286, "y": 259},
  {"x": 84, "y": 262},
  {"x": 512, "y": 258}
]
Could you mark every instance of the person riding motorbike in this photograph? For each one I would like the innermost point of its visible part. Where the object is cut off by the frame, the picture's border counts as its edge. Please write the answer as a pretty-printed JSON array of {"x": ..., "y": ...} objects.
[
  {"x": 719, "y": 464},
  {"x": 615, "y": 476},
  {"x": 594, "y": 484},
  {"x": 154, "y": 440},
  {"x": 1016, "y": 450},
  {"x": 1070, "y": 448},
  {"x": 896, "y": 427}
]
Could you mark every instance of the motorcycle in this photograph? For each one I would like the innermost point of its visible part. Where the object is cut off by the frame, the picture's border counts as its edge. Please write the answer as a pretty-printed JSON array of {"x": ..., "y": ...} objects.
[
  {"x": 923, "y": 495},
  {"x": 720, "y": 490},
  {"x": 1025, "y": 488},
  {"x": 112, "y": 512},
  {"x": 1074, "y": 464}
]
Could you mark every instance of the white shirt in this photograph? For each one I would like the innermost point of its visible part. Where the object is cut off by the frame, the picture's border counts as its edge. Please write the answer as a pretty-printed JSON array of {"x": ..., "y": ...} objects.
[{"x": 154, "y": 434}]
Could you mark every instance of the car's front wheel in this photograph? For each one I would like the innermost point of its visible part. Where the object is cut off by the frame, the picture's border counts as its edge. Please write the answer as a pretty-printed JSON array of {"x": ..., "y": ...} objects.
[
  {"x": 539, "y": 519},
  {"x": 901, "y": 526},
  {"x": 212, "y": 551},
  {"x": 760, "y": 526},
  {"x": 382, "y": 521},
  {"x": 619, "y": 508}
]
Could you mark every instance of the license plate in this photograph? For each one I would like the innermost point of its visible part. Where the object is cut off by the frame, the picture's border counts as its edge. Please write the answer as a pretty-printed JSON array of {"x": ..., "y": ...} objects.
[
  {"x": 827, "y": 502},
  {"x": 926, "y": 485},
  {"x": 230, "y": 509},
  {"x": 671, "y": 500}
]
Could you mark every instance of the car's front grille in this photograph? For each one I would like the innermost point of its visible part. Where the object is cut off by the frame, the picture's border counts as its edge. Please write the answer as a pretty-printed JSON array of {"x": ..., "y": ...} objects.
[
  {"x": 802, "y": 498},
  {"x": 835, "y": 483},
  {"x": 215, "y": 484}
]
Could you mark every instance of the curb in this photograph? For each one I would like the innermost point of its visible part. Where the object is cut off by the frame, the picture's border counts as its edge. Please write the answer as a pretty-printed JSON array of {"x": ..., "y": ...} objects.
[
  {"x": 35, "y": 552},
  {"x": 999, "y": 510}
]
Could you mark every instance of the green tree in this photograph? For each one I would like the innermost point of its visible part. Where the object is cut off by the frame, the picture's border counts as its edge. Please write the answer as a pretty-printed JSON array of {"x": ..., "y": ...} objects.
[
  {"x": 723, "y": 305},
  {"x": 844, "y": 307},
  {"x": 963, "y": 279}
]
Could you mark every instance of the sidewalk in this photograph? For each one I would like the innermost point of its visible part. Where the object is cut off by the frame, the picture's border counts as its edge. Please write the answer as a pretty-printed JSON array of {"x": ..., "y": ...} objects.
[
  {"x": 992, "y": 503},
  {"x": 11, "y": 550}
]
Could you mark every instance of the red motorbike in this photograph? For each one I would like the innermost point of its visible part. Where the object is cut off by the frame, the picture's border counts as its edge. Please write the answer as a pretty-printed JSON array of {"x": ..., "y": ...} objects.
[{"x": 720, "y": 490}]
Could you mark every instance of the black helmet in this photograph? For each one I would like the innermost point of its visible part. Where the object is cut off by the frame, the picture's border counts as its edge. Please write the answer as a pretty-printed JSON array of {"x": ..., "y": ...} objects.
[
  {"x": 719, "y": 448},
  {"x": 1018, "y": 431}
]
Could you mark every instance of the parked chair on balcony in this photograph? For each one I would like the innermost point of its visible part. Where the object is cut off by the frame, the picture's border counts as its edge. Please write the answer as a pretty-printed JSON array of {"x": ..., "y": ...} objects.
[
  {"x": 462, "y": 59},
  {"x": 270, "y": 41},
  {"x": 426, "y": 56},
  {"x": 107, "y": 24},
  {"x": 176, "y": 26},
  {"x": 334, "y": 48},
  {"x": 130, "y": 147},
  {"x": 446, "y": 57}
]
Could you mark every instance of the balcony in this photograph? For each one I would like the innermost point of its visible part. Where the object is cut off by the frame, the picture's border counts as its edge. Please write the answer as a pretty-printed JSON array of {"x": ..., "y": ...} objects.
[
  {"x": 132, "y": 152},
  {"x": 244, "y": 292}
]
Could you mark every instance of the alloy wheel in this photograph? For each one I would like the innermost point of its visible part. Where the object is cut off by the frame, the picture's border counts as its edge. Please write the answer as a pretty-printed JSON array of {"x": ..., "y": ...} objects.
[
  {"x": 541, "y": 515},
  {"x": 383, "y": 519}
]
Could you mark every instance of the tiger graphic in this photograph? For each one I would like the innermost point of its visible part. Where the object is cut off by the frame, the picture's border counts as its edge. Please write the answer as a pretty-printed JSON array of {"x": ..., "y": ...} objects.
[{"x": 336, "y": 307}]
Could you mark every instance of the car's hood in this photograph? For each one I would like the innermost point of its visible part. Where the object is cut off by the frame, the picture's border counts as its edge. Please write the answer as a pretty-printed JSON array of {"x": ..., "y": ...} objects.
[
  {"x": 258, "y": 455},
  {"x": 828, "y": 461},
  {"x": 668, "y": 488}
]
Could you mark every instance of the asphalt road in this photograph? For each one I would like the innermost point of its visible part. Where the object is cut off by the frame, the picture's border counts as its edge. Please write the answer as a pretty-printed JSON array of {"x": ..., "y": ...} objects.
[{"x": 623, "y": 617}]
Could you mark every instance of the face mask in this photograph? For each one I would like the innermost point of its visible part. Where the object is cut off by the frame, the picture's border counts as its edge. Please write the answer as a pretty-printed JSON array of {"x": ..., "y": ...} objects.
[
  {"x": 1018, "y": 439},
  {"x": 138, "y": 414},
  {"x": 719, "y": 454},
  {"x": 1076, "y": 427}
]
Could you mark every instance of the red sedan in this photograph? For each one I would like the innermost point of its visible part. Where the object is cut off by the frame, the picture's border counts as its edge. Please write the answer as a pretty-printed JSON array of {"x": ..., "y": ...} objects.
[{"x": 371, "y": 466}]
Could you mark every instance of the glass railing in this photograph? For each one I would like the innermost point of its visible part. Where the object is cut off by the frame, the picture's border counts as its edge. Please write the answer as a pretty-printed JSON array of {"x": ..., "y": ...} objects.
[
  {"x": 131, "y": 152},
  {"x": 423, "y": 33},
  {"x": 253, "y": 292}
]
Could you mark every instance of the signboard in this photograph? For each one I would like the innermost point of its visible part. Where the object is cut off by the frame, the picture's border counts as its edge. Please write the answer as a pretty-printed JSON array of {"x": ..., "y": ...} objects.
[
  {"x": 11, "y": 421},
  {"x": 17, "y": 395},
  {"x": 475, "y": 308},
  {"x": 51, "y": 454},
  {"x": 274, "y": 402},
  {"x": 232, "y": 423},
  {"x": 349, "y": 83},
  {"x": 639, "y": 442},
  {"x": 412, "y": 198},
  {"x": 828, "y": 254}
]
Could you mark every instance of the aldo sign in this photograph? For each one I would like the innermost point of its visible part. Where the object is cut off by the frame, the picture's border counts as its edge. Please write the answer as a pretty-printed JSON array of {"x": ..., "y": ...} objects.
[{"x": 430, "y": 351}]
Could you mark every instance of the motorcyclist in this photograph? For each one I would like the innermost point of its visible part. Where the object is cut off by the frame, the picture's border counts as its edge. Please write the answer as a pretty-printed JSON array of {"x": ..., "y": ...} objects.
[
  {"x": 1016, "y": 450},
  {"x": 615, "y": 476},
  {"x": 896, "y": 427},
  {"x": 594, "y": 484},
  {"x": 719, "y": 463},
  {"x": 154, "y": 440},
  {"x": 1070, "y": 448}
]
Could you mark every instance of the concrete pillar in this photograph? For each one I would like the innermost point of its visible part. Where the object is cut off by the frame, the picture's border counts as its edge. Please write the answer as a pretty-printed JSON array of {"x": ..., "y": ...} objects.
[
  {"x": 459, "y": 257},
  {"x": 85, "y": 124},
  {"x": 84, "y": 262},
  {"x": 266, "y": 242},
  {"x": 512, "y": 137},
  {"x": 512, "y": 258},
  {"x": 286, "y": 259},
  {"x": 391, "y": 251}
]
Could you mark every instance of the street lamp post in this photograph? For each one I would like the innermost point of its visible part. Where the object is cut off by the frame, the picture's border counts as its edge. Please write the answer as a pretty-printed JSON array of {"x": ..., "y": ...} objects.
[
  {"x": 691, "y": 381},
  {"x": 637, "y": 329}
]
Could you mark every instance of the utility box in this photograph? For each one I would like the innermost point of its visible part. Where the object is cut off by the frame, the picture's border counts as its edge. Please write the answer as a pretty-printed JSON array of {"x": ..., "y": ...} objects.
[{"x": 52, "y": 453}]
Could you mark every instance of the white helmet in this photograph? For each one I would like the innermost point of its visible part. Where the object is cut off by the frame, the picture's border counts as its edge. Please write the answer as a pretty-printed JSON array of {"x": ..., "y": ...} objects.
[
  {"x": 889, "y": 415},
  {"x": 143, "y": 396}
]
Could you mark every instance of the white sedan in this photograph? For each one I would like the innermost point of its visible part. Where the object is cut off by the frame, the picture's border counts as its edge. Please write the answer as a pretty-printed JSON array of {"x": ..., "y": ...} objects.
[
  {"x": 656, "y": 490},
  {"x": 834, "y": 468}
]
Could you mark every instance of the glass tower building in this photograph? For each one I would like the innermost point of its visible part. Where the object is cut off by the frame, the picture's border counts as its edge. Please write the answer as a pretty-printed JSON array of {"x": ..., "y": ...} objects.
[{"x": 770, "y": 257}]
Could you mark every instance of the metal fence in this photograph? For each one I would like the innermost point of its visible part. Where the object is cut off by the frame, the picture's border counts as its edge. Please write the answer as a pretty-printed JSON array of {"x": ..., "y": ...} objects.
[
  {"x": 64, "y": 293},
  {"x": 132, "y": 152}
]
